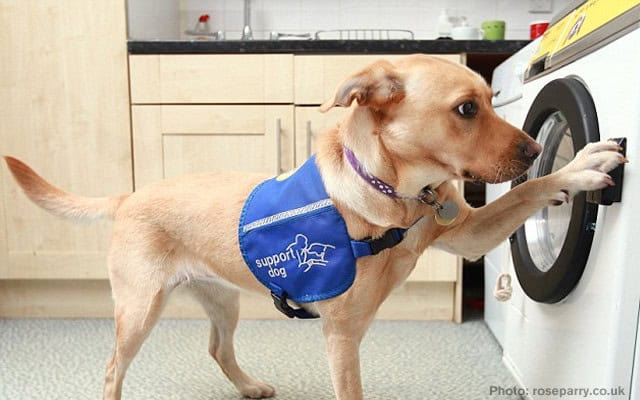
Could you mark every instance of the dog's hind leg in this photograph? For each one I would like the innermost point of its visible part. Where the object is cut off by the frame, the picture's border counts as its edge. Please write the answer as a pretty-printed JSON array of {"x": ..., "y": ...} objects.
[
  {"x": 140, "y": 269},
  {"x": 222, "y": 306},
  {"x": 135, "y": 315}
]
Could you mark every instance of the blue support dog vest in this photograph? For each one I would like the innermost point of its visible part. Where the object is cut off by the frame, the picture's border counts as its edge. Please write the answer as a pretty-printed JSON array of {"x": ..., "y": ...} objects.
[{"x": 296, "y": 243}]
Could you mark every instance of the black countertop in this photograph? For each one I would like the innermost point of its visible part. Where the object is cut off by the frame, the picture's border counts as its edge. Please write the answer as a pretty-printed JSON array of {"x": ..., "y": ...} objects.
[{"x": 325, "y": 46}]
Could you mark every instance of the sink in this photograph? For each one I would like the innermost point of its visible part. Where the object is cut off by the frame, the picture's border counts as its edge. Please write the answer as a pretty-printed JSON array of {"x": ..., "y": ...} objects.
[{"x": 365, "y": 34}]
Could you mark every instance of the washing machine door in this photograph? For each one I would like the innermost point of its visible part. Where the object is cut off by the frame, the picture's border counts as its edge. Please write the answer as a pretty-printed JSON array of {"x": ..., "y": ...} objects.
[{"x": 550, "y": 250}]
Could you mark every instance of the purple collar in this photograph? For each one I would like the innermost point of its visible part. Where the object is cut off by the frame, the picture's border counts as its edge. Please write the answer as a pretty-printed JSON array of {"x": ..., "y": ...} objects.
[
  {"x": 426, "y": 195},
  {"x": 376, "y": 183},
  {"x": 445, "y": 213}
]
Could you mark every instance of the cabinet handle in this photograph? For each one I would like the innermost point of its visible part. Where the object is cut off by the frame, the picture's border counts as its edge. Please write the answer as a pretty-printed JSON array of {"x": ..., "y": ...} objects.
[
  {"x": 309, "y": 138},
  {"x": 278, "y": 148}
]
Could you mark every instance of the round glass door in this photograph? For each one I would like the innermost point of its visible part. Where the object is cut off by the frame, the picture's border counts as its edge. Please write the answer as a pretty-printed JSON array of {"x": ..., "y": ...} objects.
[
  {"x": 551, "y": 249},
  {"x": 547, "y": 229}
]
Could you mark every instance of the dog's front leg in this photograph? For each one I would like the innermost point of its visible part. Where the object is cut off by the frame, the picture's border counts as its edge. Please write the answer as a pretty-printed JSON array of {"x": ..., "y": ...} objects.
[
  {"x": 345, "y": 321},
  {"x": 343, "y": 353},
  {"x": 479, "y": 230}
]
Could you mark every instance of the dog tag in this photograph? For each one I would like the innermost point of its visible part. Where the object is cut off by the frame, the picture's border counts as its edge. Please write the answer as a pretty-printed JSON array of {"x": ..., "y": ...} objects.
[{"x": 447, "y": 212}]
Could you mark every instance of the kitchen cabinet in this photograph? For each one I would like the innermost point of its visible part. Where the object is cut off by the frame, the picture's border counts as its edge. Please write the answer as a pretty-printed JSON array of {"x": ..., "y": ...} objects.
[
  {"x": 172, "y": 140},
  {"x": 202, "y": 113},
  {"x": 310, "y": 124},
  {"x": 318, "y": 76},
  {"x": 64, "y": 90},
  {"x": 211, "y": 79}
]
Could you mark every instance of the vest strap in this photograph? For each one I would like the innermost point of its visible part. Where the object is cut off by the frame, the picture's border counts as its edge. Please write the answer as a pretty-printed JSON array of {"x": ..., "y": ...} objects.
[
  {"x": 283, "y": 306},
  {"x": 371, "y": 247}
]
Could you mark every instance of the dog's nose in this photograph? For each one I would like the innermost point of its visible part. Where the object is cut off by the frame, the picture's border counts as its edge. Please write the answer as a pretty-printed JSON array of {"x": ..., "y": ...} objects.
[{"x": 530, "y": 150}]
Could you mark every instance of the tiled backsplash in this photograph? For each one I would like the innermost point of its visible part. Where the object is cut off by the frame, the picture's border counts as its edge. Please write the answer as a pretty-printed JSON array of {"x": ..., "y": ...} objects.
[{"x": 168, "y": 19}]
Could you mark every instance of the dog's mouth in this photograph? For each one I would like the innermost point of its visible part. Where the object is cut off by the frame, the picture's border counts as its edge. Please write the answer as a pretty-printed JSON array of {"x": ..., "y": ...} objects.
[
  {"x": 469, "y": 176},
  {"x": 509, "y": 171}
]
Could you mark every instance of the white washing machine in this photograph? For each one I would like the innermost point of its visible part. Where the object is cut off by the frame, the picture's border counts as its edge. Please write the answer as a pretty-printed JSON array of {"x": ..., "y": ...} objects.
[
  {"x": 507, "y": 82},
  {"x": 573, "y": 326}
]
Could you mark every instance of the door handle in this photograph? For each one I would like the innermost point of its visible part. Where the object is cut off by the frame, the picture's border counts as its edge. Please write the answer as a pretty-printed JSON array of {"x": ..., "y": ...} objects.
[
  {"x": 309, "y": 138},
  {"x": 278, "y": 146}
]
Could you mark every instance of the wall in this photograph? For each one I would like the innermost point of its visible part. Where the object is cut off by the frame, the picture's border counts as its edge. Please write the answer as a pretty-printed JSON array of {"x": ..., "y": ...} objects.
[
  {"x": 299, "y": 16},
  {"x": 154, "y": 19}
]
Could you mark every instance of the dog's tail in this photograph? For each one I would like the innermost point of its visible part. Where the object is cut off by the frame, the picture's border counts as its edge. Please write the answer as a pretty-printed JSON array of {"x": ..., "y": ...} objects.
[{"x": 59, "y": 202}]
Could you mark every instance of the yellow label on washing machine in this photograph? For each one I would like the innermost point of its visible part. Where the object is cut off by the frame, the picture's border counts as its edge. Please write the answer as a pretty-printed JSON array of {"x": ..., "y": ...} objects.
[
  {"x": 549, "y": 40},
  {"x": 591, "y": 16},
  {"x": 579, "y": 23}
]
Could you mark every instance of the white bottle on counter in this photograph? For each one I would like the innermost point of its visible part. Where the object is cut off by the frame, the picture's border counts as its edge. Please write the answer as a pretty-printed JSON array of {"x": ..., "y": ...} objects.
[
  {"x": 443, "y": 27},
  {"x": 203, "y": 28}
]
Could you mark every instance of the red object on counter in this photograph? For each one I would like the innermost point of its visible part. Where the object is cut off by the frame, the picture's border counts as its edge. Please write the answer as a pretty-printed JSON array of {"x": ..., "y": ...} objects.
[
  {"x": 203, "y": 18},
  {"x": 537, "y": 29}
]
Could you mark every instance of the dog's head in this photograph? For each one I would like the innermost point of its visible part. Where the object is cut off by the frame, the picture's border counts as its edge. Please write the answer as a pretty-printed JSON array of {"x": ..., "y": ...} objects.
[{"x": 435, "y": 117}]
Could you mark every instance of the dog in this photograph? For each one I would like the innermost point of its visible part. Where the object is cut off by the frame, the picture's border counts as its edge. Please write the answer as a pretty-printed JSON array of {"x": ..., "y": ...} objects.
[{"x": 419, "y": 122}]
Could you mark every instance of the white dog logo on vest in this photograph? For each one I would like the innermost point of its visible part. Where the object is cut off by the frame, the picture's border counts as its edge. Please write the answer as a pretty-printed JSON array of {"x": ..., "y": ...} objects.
[{"x": 309, "y": 255}]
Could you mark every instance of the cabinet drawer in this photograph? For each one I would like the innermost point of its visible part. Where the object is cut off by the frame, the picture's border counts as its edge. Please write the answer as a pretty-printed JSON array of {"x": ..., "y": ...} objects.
[
  {"x": 206, "y": 78},
  {"x": 171, "y": 140},
  {"x": 436, "y": 266},
  {"x": 317, "y": 77}
]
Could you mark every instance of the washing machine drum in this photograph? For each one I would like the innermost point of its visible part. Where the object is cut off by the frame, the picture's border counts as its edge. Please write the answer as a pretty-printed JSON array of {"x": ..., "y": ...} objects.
[{"x": 550, "y": 250}]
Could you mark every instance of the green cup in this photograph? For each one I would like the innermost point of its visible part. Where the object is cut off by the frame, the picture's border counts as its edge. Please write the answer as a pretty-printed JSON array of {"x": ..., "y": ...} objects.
[{"x": 493, "y": 30}]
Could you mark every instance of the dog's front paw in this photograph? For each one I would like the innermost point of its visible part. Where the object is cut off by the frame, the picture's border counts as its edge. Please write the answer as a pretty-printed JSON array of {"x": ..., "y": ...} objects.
[{"x": 588, "y": 170}]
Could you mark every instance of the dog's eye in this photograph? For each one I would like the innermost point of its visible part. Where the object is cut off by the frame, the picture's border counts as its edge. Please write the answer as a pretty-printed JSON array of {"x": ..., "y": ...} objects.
[{"x": 468, "y": 109}]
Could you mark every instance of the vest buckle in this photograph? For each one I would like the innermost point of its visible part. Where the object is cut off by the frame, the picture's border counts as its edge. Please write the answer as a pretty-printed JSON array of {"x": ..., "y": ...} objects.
[{"x": 283, "y": 306}]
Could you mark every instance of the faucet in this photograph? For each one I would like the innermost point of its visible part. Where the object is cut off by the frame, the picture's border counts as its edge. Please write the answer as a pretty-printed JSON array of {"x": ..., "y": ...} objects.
[{"x": 247, "y": 34}]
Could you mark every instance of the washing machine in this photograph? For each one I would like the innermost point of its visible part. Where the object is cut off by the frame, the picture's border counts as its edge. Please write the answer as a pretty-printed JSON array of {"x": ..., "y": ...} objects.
[
  {"x": 507, "y": 82},
  {"x": 574, "y": 332}
]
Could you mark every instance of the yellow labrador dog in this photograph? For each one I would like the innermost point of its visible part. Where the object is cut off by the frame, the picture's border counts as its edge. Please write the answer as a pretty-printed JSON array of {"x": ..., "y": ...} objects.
[{"x": 419, "y": 122}]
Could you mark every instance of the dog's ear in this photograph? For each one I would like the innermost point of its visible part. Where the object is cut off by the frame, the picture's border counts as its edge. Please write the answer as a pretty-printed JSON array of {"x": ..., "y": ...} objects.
[{"x": 376, "y": 86}]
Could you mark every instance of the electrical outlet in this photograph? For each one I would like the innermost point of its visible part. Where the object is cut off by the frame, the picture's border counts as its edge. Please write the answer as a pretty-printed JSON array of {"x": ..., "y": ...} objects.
[{"x": 540, "y": 6}]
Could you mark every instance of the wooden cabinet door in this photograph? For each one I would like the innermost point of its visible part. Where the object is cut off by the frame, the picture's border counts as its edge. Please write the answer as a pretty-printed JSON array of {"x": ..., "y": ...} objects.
[
  {"x": 310, "y": 125},
  {"x": 436, "y": 266},
  {"x": 211, "y": 78},
  {"x": 65, "y": 111},
  {"x": 171, "y": 140},
  {"x": 318, "y": 76}
]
